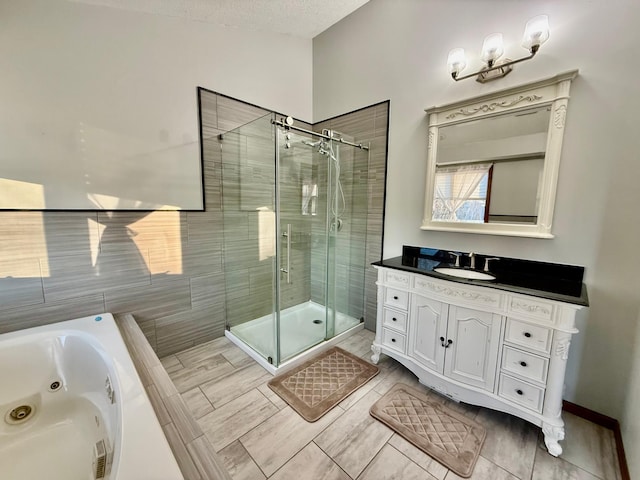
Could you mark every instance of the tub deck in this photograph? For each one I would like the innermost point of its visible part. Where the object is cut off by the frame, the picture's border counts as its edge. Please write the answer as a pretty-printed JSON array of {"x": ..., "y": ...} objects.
[{"x": 194, "y": 453}]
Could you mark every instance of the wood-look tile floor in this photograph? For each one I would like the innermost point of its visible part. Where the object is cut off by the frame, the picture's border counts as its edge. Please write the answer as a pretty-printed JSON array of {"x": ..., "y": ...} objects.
[{"x": 259, "y": 436}]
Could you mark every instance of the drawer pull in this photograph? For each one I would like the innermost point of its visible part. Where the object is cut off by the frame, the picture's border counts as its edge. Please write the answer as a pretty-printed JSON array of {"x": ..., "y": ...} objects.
[
  {"x": 393, "y": 339},
  {"x": 523, "y": 364},
  {"x": 527, "y": 334},
  {"x": 394, "y": 319},
  {"x": 519, "y": 392},
  {"x": 395, "y": 297}
]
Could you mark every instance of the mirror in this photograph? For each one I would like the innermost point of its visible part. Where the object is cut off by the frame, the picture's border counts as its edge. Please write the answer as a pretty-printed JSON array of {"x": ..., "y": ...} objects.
[{"x": 493, "y": 160}]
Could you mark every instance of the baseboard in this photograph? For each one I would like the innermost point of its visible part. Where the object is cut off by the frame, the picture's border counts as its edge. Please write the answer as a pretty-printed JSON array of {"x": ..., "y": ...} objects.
[{"x": 604, "y": 421}]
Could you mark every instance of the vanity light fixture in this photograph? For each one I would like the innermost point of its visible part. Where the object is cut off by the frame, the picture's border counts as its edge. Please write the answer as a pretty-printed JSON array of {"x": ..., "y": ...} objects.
[{"x": 535, "y": 34}]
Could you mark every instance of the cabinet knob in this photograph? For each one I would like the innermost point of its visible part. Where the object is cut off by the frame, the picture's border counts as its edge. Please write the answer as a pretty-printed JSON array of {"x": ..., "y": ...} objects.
[
  {"x": 523, "y": 364},
  {"x": 395, "y": 297},
  {"x": 519, "y": 392},
  {"x": 445, "y": 345},
  {"x": 527, "y": 334},
  {"x": 393, "y": 339},
  {"x": 394, "y": 319}
]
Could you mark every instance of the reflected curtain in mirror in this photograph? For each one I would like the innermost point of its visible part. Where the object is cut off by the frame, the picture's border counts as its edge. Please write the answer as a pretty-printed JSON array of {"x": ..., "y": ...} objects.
[{"x": 461, "y": 193}]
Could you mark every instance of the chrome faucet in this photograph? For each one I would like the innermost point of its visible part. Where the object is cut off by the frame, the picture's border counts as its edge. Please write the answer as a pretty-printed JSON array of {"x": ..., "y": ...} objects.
[
  {"x": 457, "y": 255},
  {"x": 486, "y": 262},
  {"x": 472, "y": 260}
]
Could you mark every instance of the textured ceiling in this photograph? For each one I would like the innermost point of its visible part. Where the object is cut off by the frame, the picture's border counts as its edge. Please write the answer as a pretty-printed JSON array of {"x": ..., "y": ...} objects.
[{"x": 301, "y": 18}]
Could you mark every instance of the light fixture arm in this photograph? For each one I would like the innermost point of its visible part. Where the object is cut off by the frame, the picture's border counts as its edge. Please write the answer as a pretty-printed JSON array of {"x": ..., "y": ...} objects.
[{"x": 492, "y": 66}]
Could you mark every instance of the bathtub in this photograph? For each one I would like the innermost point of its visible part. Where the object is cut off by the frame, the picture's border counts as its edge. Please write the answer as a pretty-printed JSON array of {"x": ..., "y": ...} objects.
[{"x": 73, "y": 407}]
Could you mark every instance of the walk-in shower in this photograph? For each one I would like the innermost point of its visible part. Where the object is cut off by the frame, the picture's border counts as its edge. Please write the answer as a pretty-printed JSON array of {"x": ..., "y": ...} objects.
[{"x": 295, "y": 224}]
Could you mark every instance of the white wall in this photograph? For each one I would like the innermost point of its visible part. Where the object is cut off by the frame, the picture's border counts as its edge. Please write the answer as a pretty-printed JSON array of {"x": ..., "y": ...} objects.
[
  {"x": 103, "y": 101},
  {"x": 398, "y": 50}
]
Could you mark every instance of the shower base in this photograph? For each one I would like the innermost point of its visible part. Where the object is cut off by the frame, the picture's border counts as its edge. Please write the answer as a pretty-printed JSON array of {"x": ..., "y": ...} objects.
[{"x": 301, "y": 335}]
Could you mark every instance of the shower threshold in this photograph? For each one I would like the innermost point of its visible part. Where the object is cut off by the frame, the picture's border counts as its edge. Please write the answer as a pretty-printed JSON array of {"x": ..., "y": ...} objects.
[{"x": 303, "y": 335}]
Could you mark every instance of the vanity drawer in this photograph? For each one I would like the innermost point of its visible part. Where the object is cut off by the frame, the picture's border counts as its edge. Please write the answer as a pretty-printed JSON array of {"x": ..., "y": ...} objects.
[
  {"x": 393, "y": 340},
  {"x": 520, "y": 392},
  {"x": 395, "y": 320},
  {"x": 394, "y": 277},
  {"x": 530, "y": 307},
  {"x": 525, "y": 364},
  {"x": 396, "y": 298},
  {"x": 528, "y": 335}
]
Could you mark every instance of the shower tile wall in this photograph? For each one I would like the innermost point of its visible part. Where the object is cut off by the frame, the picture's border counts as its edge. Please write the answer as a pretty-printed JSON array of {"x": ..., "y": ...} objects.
[{"x": 164, "y": 267}]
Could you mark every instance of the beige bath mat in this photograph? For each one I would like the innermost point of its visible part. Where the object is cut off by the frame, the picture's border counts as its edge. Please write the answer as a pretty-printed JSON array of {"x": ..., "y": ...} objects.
[
  {"x": 449, "y": 437},
  {"x": 318, "y": 385}
]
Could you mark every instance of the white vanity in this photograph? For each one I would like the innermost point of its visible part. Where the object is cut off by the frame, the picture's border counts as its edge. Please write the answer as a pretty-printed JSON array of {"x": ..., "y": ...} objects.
[
  {"x": 479, "y": 344},
  {"x": 492, "y": 169}
]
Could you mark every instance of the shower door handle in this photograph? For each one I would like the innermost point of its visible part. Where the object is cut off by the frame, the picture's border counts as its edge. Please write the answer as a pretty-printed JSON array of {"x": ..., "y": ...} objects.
[{"x": 287, "y": 235}]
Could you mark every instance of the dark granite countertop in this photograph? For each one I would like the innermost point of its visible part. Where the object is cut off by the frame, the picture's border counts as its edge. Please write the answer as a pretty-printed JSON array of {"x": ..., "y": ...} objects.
[{"x": 540, "y": 279}]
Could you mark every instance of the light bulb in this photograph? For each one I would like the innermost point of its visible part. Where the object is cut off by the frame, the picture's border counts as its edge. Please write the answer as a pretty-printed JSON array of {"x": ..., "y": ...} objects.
[
  {"x": 492, "y": 48},
  {"x": 456, "y": 61},
  {"x": 536, "y": 33}
]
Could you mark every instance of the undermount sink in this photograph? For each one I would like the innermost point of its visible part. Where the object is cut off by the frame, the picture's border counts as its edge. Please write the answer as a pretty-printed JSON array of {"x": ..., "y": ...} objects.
[{"x": 462, "y": 273}]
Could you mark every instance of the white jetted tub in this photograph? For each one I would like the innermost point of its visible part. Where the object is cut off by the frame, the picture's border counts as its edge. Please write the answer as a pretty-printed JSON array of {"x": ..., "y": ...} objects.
[{"x": 72, "y": 407}]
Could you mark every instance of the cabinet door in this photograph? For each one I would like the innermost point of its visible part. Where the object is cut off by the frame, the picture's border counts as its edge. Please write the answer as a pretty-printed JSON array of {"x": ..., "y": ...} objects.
[
  {"x": 427, "y": 323},
  {"x": 472, "y": 357}
]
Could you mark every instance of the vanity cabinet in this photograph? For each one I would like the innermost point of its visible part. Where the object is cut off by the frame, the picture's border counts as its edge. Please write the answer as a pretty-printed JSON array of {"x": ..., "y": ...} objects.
[
  {"x": 457, "y": 342},
  {"x": 479, "y": 345}
]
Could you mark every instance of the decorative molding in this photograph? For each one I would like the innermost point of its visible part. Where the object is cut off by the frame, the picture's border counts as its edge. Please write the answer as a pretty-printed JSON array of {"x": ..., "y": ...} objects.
[
  {"x": 529, "y": 308},
  {"x": 490, "y": 107},
  {"x": 435, "y": 312},
  {"x": 397, "y": 278},
  {"x": 559, "y": 116},
  {"x": 431, "y": 139},
  {"x": 375, "y": 358},
  {"x": 552, "y": 435},
  {"x": 562, "y": 349},
  {"x": 451, "y": 292}
]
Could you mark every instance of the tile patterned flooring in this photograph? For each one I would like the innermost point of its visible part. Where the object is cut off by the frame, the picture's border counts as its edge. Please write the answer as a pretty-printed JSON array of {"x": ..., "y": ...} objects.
[{"x": 259, "y": 436}]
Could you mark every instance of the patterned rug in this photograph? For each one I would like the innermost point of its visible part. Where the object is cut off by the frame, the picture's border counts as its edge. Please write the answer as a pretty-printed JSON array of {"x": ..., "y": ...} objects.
[
  {"x": 451, "y": 438},
  {"x": 318, "y": 385}
]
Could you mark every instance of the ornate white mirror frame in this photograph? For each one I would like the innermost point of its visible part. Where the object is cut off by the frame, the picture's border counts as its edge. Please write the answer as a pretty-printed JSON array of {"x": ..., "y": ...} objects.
[{"x": 552, "y": 92}]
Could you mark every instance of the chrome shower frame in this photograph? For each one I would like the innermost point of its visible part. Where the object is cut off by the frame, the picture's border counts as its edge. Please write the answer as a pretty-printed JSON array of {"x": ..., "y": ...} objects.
[{"x": 287, "y": 124}]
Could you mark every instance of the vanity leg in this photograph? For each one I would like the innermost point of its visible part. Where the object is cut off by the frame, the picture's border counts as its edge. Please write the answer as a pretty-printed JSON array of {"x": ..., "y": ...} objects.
[
  {"x": 375, "y": 358},
  {"x": 552, "y": 435}
]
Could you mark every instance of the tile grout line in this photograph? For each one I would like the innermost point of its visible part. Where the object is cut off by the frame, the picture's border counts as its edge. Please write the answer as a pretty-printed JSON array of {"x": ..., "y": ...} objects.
[
  {"x": 249, "y": 453},
  {"x": 312, "y": 440},
  {"x": 330, "y": 458},
  {"x": 535, "y": 458},
  {"x": 288, "y": 460},
  {"x": 410, "y": 459},
  {"x": 208, "y": 401}
]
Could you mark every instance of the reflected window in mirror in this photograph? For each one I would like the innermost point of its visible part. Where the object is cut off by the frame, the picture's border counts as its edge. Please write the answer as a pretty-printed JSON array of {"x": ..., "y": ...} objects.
[
  {"x": 461, "y": 193},
  {"x": 507, "y": 190}
]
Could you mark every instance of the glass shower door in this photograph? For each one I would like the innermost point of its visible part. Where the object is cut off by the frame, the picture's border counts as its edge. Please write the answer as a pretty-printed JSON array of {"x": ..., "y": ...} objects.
[
  {"x": 295, "y": 220},
  {"x": 302, "y": 243},
  {"x": 347, "y": 219},
  {"x": 249, "y": 217}
]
